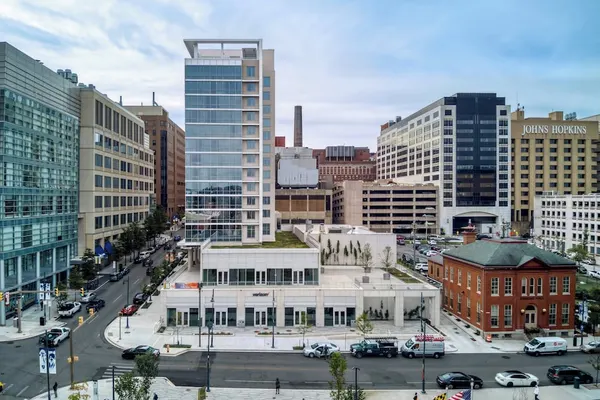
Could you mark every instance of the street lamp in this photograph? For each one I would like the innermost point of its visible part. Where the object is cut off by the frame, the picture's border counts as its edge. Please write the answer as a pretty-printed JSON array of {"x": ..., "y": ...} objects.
[
  {"x": 414, "y": 235},
  {"x": 212, "y": 302},
  {"x": 273, "y": 313},
  {"x": 127, "y": 321},
  {"x": 423, "y": 331},
  {"x": 472, "y": 384},
  {"x": 199, "y": 314},
  {"x": 209, "y": 325},
  {"x": 356, "y": 369}
]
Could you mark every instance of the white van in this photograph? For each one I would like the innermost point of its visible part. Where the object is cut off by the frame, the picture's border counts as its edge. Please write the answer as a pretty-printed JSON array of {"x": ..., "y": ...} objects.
[
  {"x": 428, "y": 345},
  {"x": 546, "y": 345},
  {"x": 421, "y": 267}
]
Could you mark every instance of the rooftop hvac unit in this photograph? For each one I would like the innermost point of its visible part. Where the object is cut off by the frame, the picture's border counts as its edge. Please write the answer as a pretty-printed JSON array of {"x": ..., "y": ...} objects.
[{"x": 74, "y": 78}]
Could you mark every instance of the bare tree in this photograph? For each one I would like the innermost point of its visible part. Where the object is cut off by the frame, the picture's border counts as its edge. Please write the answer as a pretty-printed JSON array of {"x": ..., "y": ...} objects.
[
  {"x": 304, "y": 326},
  {"x": 366, "y": 258},
  {"x": 387, "y": 258}
]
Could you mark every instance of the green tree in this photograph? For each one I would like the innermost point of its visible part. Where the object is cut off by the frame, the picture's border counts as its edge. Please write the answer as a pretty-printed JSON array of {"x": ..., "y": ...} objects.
[
  {"x": 155, "y": 223},
  {"x": 364, "y": 324},
  {"x": 366, "y": 258},
  {"x": 387, "y": 258},
  {"x": 138, "y": 237},
  {"x": 88, "y": 265},
  {"x": 62, "y": 293},
  {"x": 76, "y": 280},
  {"x": 337, "y": 368},
  {"x": 595, "y": 363},
  {"x": 158, "y": 273},
  {"x": 128, "y": 387},
  {"x": 126, "y": 240}
]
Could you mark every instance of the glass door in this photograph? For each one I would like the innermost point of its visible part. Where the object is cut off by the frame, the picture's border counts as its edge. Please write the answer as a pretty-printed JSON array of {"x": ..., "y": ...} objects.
[
  {"x": 223, "y": 278},
  {"x": 339, "y": 318},
  {"x": 260, "y": 318},
  {"x": 298, "y": 278},
  {"x": 300, "y": 317},
  {"x": 220, "y": 318}
]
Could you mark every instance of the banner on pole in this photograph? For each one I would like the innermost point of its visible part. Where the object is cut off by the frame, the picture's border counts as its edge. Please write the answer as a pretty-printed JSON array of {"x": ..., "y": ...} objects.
[
  {"x": 49, "y": 363},
  {"x": 47, "y": 290}
]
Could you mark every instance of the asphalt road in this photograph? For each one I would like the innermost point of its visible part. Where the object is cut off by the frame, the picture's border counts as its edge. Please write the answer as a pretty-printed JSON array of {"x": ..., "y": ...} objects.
[{"x": 20, "y": 365}]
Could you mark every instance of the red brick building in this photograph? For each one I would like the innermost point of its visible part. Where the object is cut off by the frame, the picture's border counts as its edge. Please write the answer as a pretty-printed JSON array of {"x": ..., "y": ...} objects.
[
  {"x": 345, "y": 163},
  {"x": 504, "y": 286},
  {"x": 279, "y": 141}
]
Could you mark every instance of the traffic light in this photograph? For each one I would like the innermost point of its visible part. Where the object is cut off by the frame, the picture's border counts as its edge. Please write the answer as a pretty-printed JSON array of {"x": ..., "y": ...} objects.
[
  {"x": 91, "y": 311},
  {"x": 82, "y": 292},
  {"x": 80, "y": 320},
  {"x": 1, "y": 296},
  {"x": 56, "y": 292}
]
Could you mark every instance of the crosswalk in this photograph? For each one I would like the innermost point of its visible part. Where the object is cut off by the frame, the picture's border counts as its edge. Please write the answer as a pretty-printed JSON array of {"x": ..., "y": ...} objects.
[{"x": 120, "y": 369}]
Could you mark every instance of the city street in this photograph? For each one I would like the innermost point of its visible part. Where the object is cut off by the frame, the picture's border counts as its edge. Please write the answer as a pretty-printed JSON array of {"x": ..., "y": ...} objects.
[{"x": 20, "y": 365}]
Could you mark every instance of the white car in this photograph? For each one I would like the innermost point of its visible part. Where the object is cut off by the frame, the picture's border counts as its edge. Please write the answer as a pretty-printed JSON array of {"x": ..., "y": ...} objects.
[
  {"x": 88, "y": 297},
  {"x": 318, "y": 349},
  {"x": 594, "y": 274},
  {"x": 432, "y": 242},
  {"x": 516, "y": 378},
  {"x": 431, "y": 253},
  {"x": 69, "y": 309}
]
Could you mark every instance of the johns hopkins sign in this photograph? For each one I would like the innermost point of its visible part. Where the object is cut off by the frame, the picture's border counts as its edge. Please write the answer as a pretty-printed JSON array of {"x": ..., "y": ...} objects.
[{"x": 555, "y": 129}]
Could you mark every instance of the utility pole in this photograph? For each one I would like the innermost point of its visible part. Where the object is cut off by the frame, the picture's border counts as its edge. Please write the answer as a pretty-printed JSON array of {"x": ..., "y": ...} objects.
[
  {"x": 127, "y": 320},
  {"x": 19, "y": 294},
  {"x": 47, "y": 364},
  {"x": 273, "y": 315},
  {"x": 423, "y": 330},
  {"x": 356, "y": 369},
  {"x": 199, "y": 314}
]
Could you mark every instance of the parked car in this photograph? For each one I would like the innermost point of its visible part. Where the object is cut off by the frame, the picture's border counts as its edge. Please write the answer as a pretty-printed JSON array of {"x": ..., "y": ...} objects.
[
  {"x": 176, "y": 238},
  {"x": 139, "y": 298},
  {"x": 132, "y": 353},
  {"x": 594, "y": 274},
  {"x": 582, "y": 270},
  {"x": 167, "y": 247},
  {"x": 431, "y": 253},
  {"x": 148, "y": 263},
  {"x": 55, "y": 336},
  {"x": 129, "y": 310},
  {"x": 516, "y": 378},
  {"x": 138, "y": 260},
  {"x": 144, "y": 254},
  {"x": 546, "y": 345},
  {"x": 421, "y": 267},
  {"x": 432, "y": 242},
  {"x": 563, "y": 374},
  {"x": 320, "y": 349},
  {"x": 591, "y": 347},
  {"x": 88, "y": 297},
  {"x": 458, "y": 380},
  {"x": 374, "y": 348},
  {"x": 95, "y": 304},
  {"x": 151, "y": 250},
  {"x": 69, "y": 309}
]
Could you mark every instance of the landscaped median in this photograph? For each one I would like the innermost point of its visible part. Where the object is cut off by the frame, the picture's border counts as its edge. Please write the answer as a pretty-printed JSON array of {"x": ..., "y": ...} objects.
[{"x": 403, "y": 276}]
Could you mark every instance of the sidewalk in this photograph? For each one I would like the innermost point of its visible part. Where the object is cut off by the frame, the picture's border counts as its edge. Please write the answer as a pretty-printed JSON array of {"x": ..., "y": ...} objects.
[
  {"x": 167, "y": 391},
  {"x": 30, "y": 324}
]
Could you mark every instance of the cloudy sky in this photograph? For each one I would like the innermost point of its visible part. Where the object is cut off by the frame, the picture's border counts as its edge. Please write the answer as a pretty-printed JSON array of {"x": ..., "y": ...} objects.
[{"x": 352, "y": 65}]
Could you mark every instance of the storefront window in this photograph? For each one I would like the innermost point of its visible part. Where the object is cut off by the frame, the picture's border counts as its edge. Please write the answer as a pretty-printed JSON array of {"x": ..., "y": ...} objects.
[
  {"x": 328, "y": 316},
  {"x": 249, "y": 316},
  {"x": 272, "y": 316},
  {"x": 232, "y": 317},
  {"x": 193, "y": 317},
  {"x": 289, "y": 316},
  {"x": 209, "y": 315},
  {"x": 350, "y": 315},
  {"x": 311, "y": 316},
  {"x": 171, "y": 317}
]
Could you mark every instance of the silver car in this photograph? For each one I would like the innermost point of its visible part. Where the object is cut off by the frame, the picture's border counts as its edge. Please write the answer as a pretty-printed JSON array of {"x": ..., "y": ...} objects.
[
  {"x": 320, "y": 349},
  {"x": 591, "y": 347}
]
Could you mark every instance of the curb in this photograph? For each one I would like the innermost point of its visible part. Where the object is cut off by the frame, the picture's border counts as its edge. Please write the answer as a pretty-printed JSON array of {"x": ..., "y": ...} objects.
[{"x": 29, "y": 336}]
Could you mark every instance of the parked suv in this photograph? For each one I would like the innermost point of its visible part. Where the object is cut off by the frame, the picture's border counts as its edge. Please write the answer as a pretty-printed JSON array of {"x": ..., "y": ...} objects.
[{"x": 563, "y": 374}]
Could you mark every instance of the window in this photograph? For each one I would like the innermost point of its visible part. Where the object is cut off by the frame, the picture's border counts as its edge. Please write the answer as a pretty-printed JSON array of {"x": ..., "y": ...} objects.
[
  {"x": 266, "y": 229},
  {"x": 553, "y": 285},
  {"x": 494, "y": 315},
  {"x": 478, "y": 283},
  {"x": 468, "y": 280},
  {"x": 532, "y": 286},
  {"x": 98, "y": 180},
  {"x": 507, "y": 316},
  {"x": 98, "y": 160},
  {"x": 251, "y": 71},
  {"x": 98, "y": 223},
  {"x": 266, "y": 95},
  {"x": 468, "y": 307},
  {"x": 451, "y": 274},
  {"x": 564, "y": 317},
  {"x": 266, "y": 135},
  {"x": 539, "y": 287},
  {"x": 458, "y": 303},
  {"x": 552, "y": 315},
  {"x": 566, "y": 285},
  {"x": 251, "y": 231},
  {"x": 446, "y": 273},
  {"x": 495, "y": 287},
  {"x": 266, "y": 109},
  {"x": 98, "y": 201},
  {"x": 266, "y": 161},
  {"x": 524, "y": 287},
  {"x": 508, "y": 286},
  {"x": 266, "y": 187},
  {"x": 478, "y": 313},
  {"x": 266, "y": 81},
  {"x": 459, "y": 277}
]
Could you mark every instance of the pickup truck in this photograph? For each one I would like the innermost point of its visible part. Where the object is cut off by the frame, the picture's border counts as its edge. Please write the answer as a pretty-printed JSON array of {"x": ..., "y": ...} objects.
[
  {"x": 373, "y": 348},
  {"x": 69, "y": 309},
  {"x": 55, "y": 336}
]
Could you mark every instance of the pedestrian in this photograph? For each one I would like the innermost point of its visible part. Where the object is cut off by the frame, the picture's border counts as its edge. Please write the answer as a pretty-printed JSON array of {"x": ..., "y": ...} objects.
[
  {"x": 277, "y": 386},
  {"x": 536, "y": 392},
  {"x": 1, "y": 387},
  {"x": 55, "y": 387},
  {"x": 155, "y": 397},
  {"x": 416, "y": 396}
]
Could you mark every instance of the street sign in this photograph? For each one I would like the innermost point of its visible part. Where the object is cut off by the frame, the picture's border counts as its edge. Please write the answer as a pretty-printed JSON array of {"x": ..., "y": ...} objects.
[{"x": 50, "y": 363}]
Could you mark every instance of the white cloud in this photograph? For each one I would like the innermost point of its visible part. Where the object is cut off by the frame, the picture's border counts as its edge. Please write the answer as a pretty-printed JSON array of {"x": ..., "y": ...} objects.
[{"x": 351, "y": 65}]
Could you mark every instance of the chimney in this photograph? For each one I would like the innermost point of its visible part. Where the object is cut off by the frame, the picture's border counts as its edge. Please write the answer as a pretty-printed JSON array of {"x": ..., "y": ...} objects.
[
  {"x": 556, "y": 116},
  {"x": 298, "y": 126},
  {"x": 469, "y": 234}
]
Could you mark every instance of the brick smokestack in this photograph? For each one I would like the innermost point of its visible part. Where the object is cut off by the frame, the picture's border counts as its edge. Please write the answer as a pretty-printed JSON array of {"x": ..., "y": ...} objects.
[{"x": 298, "y": 126}]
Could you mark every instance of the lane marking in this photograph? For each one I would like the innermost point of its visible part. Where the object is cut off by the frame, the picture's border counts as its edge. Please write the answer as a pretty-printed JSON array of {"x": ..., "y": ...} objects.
[
  {"x": 137, "y": 280},
  {"x": 101, "y": 285},
  {"x": 115, "y": 300},
  {"x": 22, "y": 390},
  {"x": 9, "y": 386}
]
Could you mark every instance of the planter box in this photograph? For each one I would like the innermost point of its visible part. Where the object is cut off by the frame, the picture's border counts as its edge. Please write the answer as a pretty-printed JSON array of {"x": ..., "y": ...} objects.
[
  {"x": 365, "y": 279},
  {"x": 386, "y": 276}
]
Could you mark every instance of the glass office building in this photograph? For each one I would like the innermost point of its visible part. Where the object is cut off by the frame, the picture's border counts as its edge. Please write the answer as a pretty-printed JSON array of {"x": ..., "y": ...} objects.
[
  {"x": 229, "y": 108},
  {"x": 39, "y": 173}
]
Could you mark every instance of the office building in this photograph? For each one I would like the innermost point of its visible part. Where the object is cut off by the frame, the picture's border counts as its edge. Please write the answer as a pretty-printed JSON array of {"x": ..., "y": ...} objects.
[
  {"x": 561, "y": 221},
  {"x": 504, "y": 286},
  {"x": 116, "y": 170},
  {"x": 550, "y": 154},
  {"x": 345, "y": 163},
  {"x": 387, "y": 206},
  {"x": 167, "y": 140},
  {"x": 39, "y": 157},
  {"x": 230, "y": 141},
  {"x": 461, "y": 144}
]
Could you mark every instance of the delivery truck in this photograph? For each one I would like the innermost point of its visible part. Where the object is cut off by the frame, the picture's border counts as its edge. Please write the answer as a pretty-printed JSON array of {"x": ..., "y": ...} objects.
[{"x": 424, "y": 345}]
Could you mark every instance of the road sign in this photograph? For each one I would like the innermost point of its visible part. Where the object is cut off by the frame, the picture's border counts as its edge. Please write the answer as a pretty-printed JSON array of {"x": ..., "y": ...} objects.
[{"x": 50, "y": 363}]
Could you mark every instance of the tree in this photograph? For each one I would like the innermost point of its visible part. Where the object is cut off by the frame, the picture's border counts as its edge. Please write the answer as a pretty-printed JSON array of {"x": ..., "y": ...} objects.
[
  {"x": 366, "y": 258},
  {"x": 62, "y": 293},
  {"x": 387, "y": 258},
  {"x": 595, "y": 363},
  {"x": 128, "y": 387},
  {"x": 138, "y": 237},
  {"x": 304, "y": 326},
  {"x": 337, "y": 369},
  {"x": 155, "y": 223},
  {"x": 126, "y": 241},
  {"x": 75, "y": 278},
  {"x": 578, "y": 253},
  {"x": 364, "y": 324},
  {"x": 88, "y": 265}
]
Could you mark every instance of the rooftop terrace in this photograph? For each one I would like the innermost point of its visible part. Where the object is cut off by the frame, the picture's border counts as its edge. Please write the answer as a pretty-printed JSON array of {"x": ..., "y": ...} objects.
[{"x": 283, "y": 240}]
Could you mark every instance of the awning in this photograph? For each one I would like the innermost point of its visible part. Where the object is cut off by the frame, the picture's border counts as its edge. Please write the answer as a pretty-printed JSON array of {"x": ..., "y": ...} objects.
[
  {"x": 99, "y": 251},
  {"x": 108, "y": 247}
]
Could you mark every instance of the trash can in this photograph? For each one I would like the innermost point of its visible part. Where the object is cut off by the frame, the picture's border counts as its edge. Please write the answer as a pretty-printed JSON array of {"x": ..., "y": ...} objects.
[
  {"x": 576, "y": 381},
  {"x": 16, "y": 322},
  {"x": 42, "y": 321}
]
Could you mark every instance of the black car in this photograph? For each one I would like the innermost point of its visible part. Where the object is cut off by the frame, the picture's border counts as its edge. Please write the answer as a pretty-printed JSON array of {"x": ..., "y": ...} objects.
[
  {"x": 456, "y": 380},
  {"x": 137, "y": 260},
  {"x": 139, "y": 298},
  {"x": 133, "y": 352},
  {"x": 167, "y": 247},
  {"x": 95, "y": 304},
  {"x": 148, "y": 263},
  {"x": 563, "y": 374}
]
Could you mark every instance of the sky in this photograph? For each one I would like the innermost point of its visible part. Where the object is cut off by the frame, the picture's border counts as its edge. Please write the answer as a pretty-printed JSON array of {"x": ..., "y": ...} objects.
[{"x": 352, "y": 65}]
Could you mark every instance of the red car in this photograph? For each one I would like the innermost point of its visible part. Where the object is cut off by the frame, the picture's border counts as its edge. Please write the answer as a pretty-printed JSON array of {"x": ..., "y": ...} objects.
[{"x": 129, "y": 310}]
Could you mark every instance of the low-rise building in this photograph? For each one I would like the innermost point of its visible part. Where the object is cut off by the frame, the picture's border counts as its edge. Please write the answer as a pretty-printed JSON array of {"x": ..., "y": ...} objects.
[
  {"x": 501, "y": 287},
  {"x": 297, "y": 206},
  {"x": 341, "y": 163},
  {"x": 562, "y": 221},
  {"x": 386, "y": 206}
]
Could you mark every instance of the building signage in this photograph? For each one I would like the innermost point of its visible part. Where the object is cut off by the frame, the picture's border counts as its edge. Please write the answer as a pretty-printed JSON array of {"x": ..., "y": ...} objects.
[
  {"x": 260, "y": 294},
  {"x": 555, "y": 129}
]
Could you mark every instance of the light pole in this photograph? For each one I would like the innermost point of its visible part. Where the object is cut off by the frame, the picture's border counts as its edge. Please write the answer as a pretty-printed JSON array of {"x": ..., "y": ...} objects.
[
  {"x": 127, "y": 320},
  {"x": 199, "y": 314},
  {"x": 472, "y": 384},
  {"x": 209, "y": 325},
  {"x": 273, "y": 313},
  {"x": 414, "y": 230},
  {"x": 423, "y": 330},
  {"x": 212, "y": 337},
  {"x": 356, "y": 369},
  {"x": 47, "y": 347}
]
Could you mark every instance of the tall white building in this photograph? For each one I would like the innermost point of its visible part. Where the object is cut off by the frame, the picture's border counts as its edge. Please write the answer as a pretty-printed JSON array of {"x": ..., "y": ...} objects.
[
  {"x": 462, "y": 144},
  {"x": 230, "y": 140}
]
